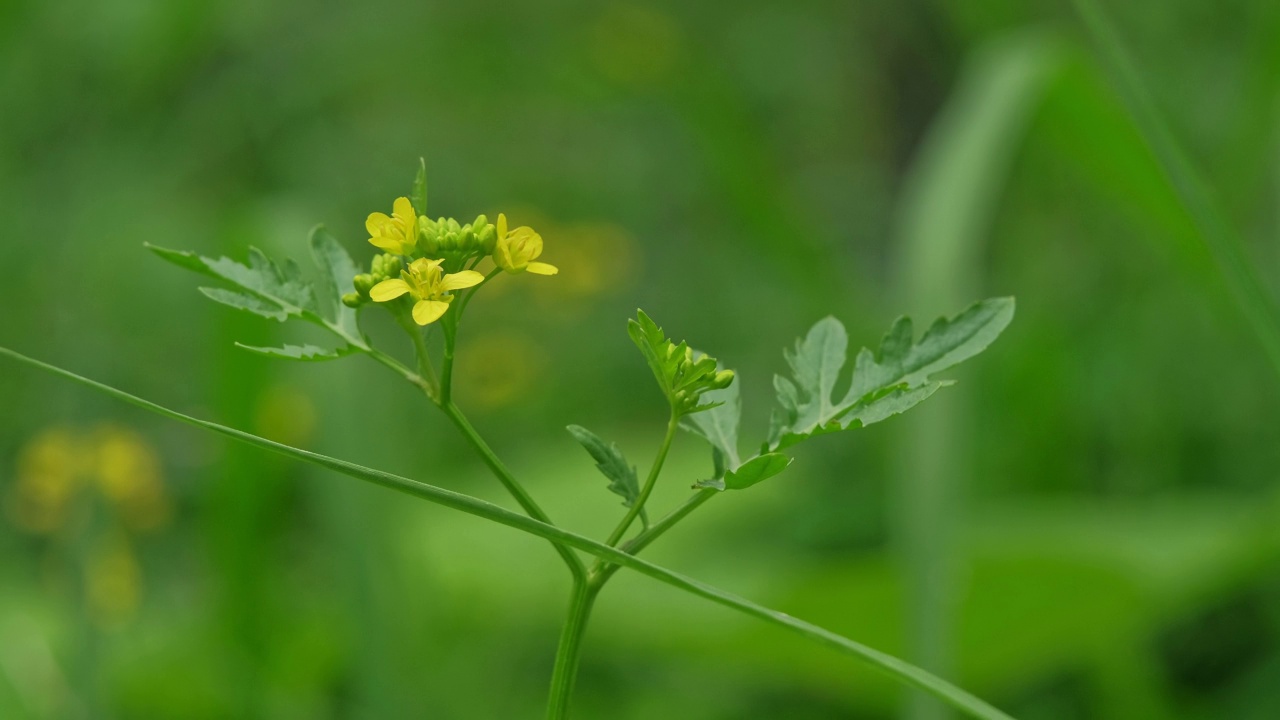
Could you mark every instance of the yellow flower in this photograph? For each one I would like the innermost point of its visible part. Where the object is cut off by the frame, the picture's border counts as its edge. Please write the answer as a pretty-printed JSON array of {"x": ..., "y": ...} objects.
[
  {"x": 516, "y": 251},
  {"x": 427, "y": 284},
  {"x": 397, "y": 234}
]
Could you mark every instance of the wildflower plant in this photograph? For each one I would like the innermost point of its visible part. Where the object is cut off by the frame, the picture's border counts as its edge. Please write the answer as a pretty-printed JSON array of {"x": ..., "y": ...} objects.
[{"x": 425, "y": 274}]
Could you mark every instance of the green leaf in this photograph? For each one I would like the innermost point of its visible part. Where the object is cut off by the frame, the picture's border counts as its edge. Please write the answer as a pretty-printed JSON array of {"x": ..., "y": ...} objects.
[
  {"x": 244, "y": 301},
  {"x": 303, "y": 353},
  {"x": 613, "y": 465},
  {"x": 900, "y": 670},
  {"x": 761, "y": 467},
  {"x": 261, "y": 277},
  {"x": 757, "y": 469},
  {"x": 337, "y": 271},
  {"x": 653, "y": 345},
  {"x": 419, "y": 195},
  {"x": 884, "y": 383},
  {"x": 718, "y": 425}
]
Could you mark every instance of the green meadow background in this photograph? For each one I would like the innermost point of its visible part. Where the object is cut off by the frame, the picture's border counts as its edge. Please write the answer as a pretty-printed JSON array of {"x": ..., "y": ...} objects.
[{"x": 1086, "y": 526}]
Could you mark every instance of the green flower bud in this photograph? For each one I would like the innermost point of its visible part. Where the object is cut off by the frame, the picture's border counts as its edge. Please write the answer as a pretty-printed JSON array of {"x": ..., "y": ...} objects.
[
  {"x": 353, "y": 300},
  {"x": 428, "y": 235},
  {"x": 723, "y": 379},
  {"x": 364, "y": 283}
]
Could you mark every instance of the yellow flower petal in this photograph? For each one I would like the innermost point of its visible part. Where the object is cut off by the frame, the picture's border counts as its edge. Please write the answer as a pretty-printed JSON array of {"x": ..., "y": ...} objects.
[
  {"x": 403, "y": 208},
  {"x": 421, "y": 265},
  {"x": 429, "y": 311},
  {"x": 541, "y": 268},
  {"x": 502, "y": 226},
  {"x": 459, "y": 280},
  {"x": 388, "y": 290},
  {"x": 385, "y": 242},
  {"x": 375, "y": 222}
]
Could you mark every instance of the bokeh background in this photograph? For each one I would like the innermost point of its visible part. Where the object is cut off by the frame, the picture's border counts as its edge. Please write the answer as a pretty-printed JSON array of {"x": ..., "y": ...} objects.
[{"x": 1084, "y": 527}]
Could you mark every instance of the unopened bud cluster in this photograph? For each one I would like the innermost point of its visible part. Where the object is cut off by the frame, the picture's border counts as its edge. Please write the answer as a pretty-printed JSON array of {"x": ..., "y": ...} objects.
[
  {"x": 695, "y": 374},
  {"x": 384, "y": 267},
  {"x": 444, "y": 236}
]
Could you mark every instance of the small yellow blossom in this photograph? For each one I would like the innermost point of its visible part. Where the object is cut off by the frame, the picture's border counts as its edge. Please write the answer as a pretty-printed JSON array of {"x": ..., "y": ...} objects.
[
  {"x": 397, "y": 234},
  {"x": 427, "y": 283},
  {"x": 516, "y": 251}
]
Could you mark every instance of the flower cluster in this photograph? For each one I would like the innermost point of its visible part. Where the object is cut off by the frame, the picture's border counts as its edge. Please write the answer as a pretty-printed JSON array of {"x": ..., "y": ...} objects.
[{"x": 430, "y": 260}]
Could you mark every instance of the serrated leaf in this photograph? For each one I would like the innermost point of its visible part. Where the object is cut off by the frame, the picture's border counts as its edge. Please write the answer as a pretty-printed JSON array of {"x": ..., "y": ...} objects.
[
  {"x": 337, "y": 272},
  {"x": 718, "y": 425},
  {"x": 244, "y": 301},
  {"x": 613, "y": 465},
  {"x": 651, "y": 341},
  {"x": 260, "y": 277},
  {"x": 419, "y": 195},
  {"x": 946, "y": 343},
  {"x": 302, "y": 353},
  {"x": 884, "y": 383}
]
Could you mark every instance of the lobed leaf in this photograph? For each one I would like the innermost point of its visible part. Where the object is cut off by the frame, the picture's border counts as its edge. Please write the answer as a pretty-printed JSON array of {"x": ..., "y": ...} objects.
[
  {"x": 884, "y": 383},
  {"x": 337, "y": 271},
  {"x": 283, "y": 287},
  {"x": 302, "y": 353},
  {"x": 613, "y": 465},
  {"x": 245, "y": 301}
]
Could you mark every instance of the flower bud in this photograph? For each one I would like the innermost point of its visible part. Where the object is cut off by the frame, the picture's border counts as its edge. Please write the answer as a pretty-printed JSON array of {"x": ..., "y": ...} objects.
[
  {"x": 364, "y": 283},
  {"x": 723, "y": 379},
  {"x": 428, "y": 235},
  {"x": 353, "y": 300}
]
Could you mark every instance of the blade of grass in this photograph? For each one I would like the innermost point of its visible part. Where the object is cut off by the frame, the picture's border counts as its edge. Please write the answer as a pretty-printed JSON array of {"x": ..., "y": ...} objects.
[
  {"x": 1223, "y": 241},
  {"x": 888, "y": 664},
  {"x": 950, "y": 196}
]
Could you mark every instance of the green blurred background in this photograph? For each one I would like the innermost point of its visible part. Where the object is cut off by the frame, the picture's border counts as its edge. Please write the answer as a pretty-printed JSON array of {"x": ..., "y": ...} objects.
[{"x": 1085, "y": 527}]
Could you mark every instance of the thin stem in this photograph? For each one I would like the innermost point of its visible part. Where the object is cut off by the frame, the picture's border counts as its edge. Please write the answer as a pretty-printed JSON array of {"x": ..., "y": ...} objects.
[
  {"x": 414, "y": 378},
  {"x": 672, "y": 425},
  {"x": 569, "y": 652},
  {"x": 602, "y": 571},
  {"x": 426, "y": 372},
  {"x": 513, "y": 486},
  {"x": 892, "y": 666},
  {"x": 450, "y": 325}
]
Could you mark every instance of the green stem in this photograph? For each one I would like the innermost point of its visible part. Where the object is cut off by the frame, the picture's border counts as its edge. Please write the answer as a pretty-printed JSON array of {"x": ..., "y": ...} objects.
[
  {"x": 450, "y": 324},
  {"x": 672, "y": 425},
  {"x": 569, "y": 652},
  {"x": 426, "y": 373},
  {"x": 892, "y": 666},
  {"x": 576, "y": 567},
  {"x": 603, "y": 571}
]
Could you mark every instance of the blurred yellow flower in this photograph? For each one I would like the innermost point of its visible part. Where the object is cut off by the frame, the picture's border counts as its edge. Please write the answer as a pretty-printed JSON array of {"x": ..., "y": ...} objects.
[
  {"x": 397, "y": 234},
  {"x": 50, "y": 471},
  {"x": 58, "y": 464},
  {"x": 501, "y": 367},
  {"x": 113, "y": 582},
  {"x": 427, "y": 283},
  {"x": 516, "y": 251},
  {"x": 128, "y": 474}
]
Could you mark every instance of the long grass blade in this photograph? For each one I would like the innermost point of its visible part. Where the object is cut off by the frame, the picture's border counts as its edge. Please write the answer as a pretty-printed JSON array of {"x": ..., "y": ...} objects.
[
  {"x": 887, "y": 664},
  {"x": 1223, "y": 241}
]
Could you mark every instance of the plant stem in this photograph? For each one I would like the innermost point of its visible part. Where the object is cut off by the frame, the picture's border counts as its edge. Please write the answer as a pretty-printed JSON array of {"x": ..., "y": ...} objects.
[
  {"x": 672, "y": 425},
  {"x": 450, "y": 324},
  {"x": 602, "y": 571},
  {"x": 569, "y": 652},
  {"x": 892, "y": 666},
  {"x": 576, "y": 567}
]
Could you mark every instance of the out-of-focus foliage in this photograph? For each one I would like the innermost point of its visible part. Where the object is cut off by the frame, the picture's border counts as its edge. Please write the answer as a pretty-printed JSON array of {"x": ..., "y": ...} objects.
[{"x": 1115, "y": 550}]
